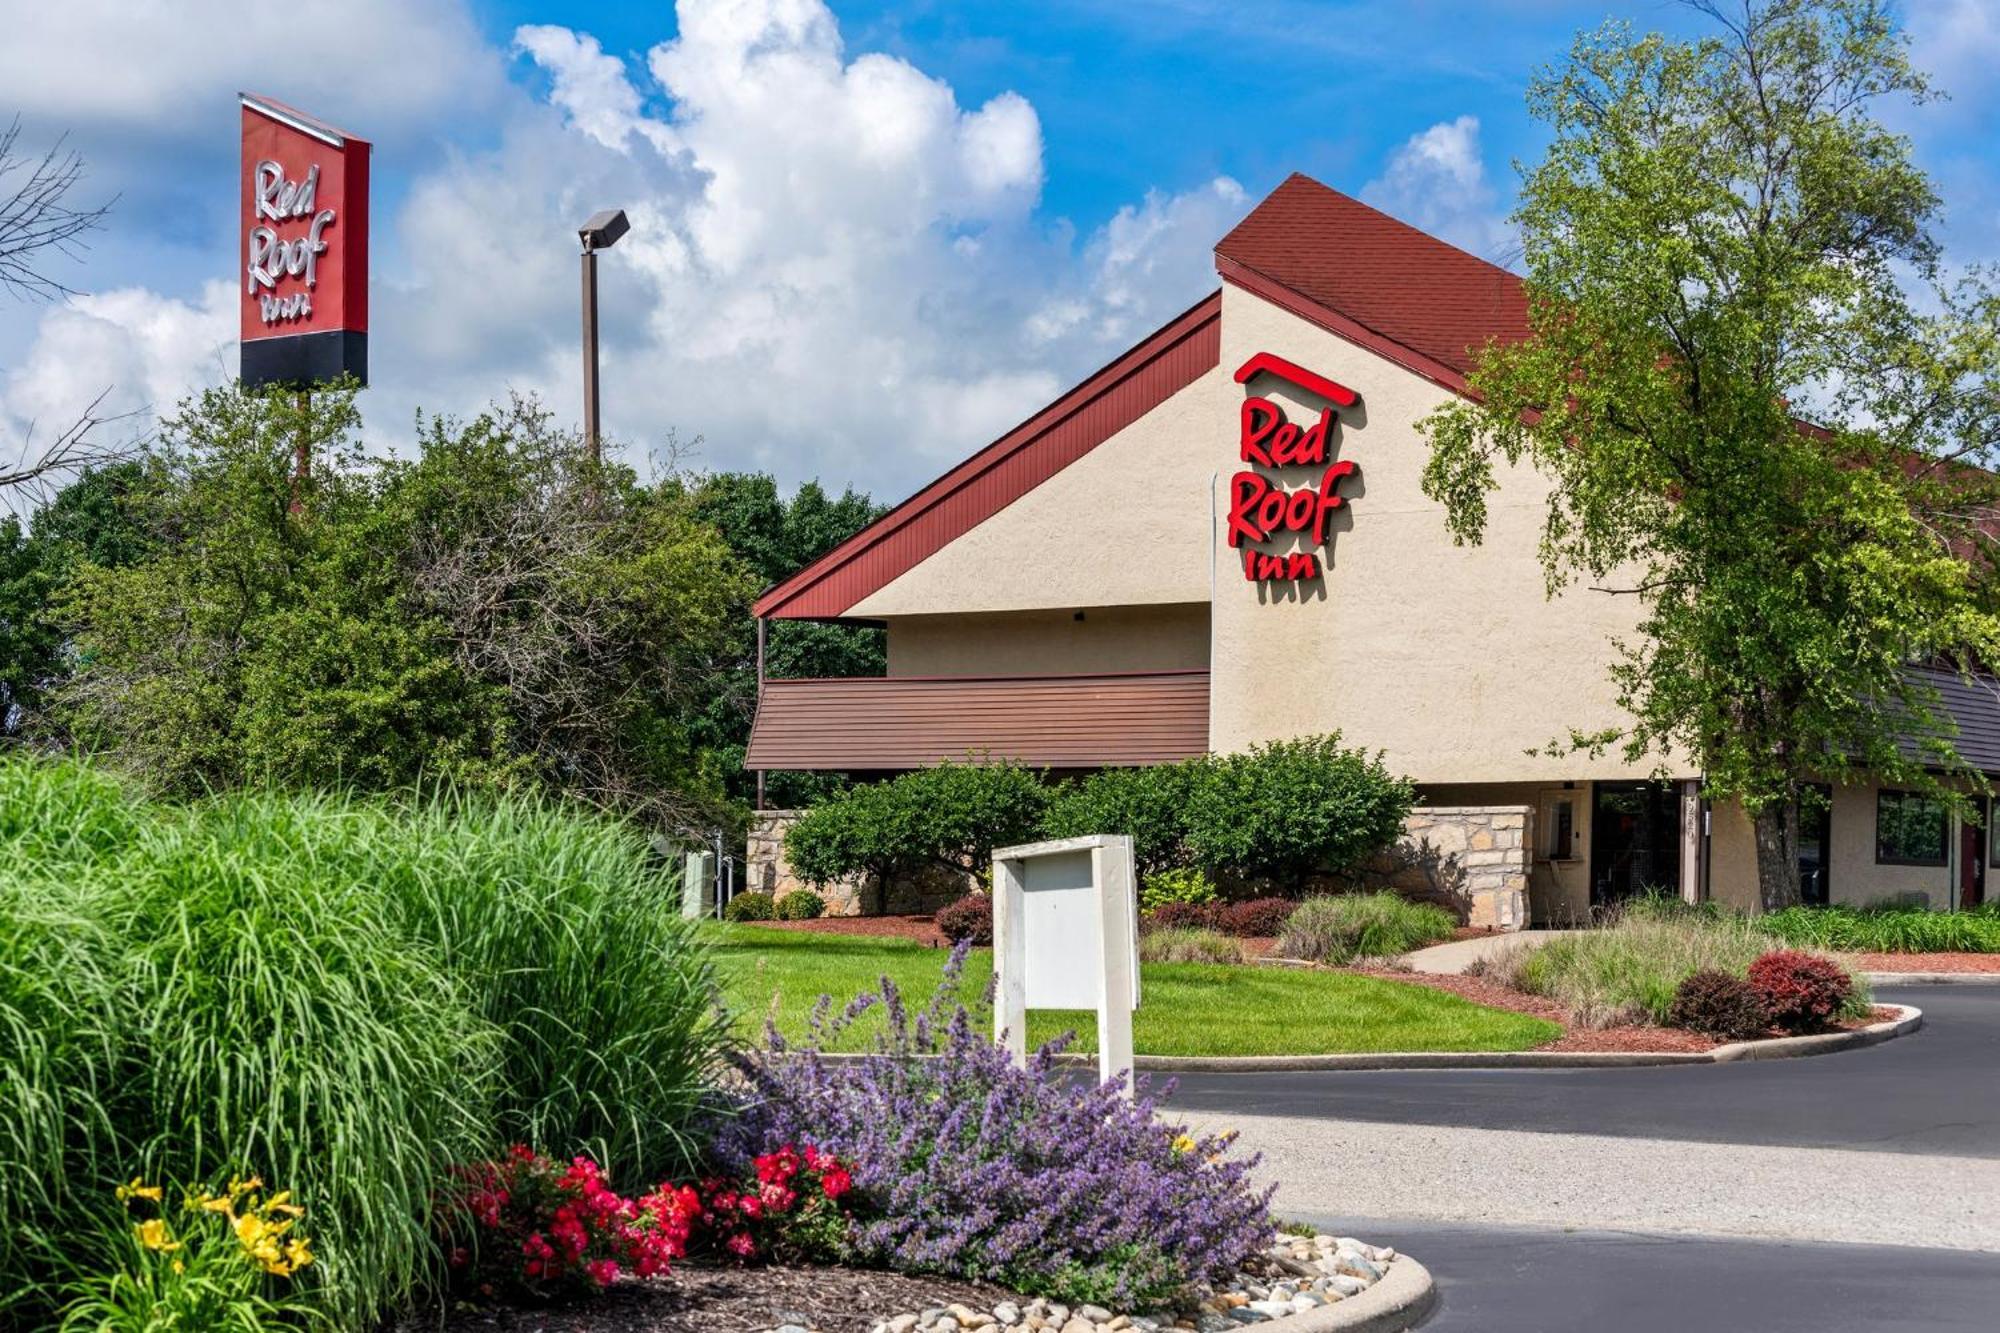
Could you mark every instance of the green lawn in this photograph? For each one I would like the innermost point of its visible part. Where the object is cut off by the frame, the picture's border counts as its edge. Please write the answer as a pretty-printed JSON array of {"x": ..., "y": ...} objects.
[{"x": 1188, "y": 1008}]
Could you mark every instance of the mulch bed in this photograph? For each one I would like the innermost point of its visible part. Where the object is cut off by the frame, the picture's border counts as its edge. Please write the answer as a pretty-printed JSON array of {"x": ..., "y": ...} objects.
[
  {"x": 1927, "y": 962},
  {"x": 1480, "y": 990},
  {"x": 731, "y": 1300},
  {"x": 923, "y": 929}
]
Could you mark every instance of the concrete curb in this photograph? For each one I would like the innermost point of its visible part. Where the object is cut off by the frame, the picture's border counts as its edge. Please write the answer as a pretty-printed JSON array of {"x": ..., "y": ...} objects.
[
  {"x": 1403, "y": 1297},
  {"x": 1909, "y": 1018},
  {"x": 1931, "y": 978}
]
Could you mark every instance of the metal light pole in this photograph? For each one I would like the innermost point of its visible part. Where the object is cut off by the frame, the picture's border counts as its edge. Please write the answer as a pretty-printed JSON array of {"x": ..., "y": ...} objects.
[{"x": 600, "y": 233}]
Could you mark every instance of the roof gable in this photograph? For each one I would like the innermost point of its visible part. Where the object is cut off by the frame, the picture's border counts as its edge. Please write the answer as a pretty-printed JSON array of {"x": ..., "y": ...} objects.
[
  {"x": 1375, "y": 276},
  {"x": 1167, "y": 361}
]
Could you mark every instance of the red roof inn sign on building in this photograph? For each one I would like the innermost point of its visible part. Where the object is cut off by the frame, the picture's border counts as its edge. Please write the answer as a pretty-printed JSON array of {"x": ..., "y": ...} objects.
[
  {"x": 304, "y": 274},
  {"x": 1260, "y": 508}
]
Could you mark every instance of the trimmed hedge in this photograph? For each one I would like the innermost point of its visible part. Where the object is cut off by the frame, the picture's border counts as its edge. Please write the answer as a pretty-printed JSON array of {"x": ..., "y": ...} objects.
[
  {"x": 752, "y": 905},
  {"x": 1717, "y": 1004},
  {"x": 1274, "y": 815},
  {"x": 800, "y": 905}
]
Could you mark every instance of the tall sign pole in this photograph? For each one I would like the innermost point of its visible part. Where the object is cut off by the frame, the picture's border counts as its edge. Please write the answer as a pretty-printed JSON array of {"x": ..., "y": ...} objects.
[{"x": 303, "y": 302}]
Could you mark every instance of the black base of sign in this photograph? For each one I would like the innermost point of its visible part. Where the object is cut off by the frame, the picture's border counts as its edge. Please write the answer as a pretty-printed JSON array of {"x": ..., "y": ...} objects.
[{"x": 301, "y": 360}]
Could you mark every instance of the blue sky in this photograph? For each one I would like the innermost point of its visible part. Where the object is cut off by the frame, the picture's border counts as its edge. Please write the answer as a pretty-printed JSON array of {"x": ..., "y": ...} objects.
[{"x": 868, "y": 235}]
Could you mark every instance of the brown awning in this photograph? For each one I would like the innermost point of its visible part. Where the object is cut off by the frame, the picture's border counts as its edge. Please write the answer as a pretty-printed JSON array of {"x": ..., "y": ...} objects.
[{"x": 902, "y": 722}]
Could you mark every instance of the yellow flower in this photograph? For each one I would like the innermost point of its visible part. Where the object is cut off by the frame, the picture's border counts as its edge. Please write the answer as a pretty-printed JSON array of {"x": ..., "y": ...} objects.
[
  {"x": 138, "y": 1190},
  {"x": 211, "y": 1203},
  {"x": 1183, "y": 1143},
  {"x": 154, "y": 1236}
]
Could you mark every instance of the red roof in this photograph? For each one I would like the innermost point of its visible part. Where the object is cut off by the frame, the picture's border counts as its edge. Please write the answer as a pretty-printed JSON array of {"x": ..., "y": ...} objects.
[
  {"x": 1366, "y": 272},
  {"x": 892, "y": 723},
  {"x": 1329, "y": 259}
]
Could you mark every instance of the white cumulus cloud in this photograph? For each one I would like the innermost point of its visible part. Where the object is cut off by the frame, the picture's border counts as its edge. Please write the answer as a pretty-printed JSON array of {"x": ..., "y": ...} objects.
[
  {"x": 835, "y": 267},
  {"x": 1436, "y": 180}
]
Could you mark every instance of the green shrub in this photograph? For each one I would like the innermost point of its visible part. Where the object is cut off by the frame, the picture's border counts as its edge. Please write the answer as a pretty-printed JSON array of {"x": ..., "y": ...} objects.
[
  {"x": 1629, "y": 971},
  {"x": 1188, "y": 944},
  {"x": 1148, "y": 805},
  {"x": 343, "y": 996},
  {"x": 1886, "y": 929},
  {"x": 952, "y": 815},
  {"x": 1184, "y": 885},
  {"x": 800, "y": 905},
  {"x": 751, "y": 905},
  {"x": 1281, "y": 811},
  {"x": 1371, "y": 925}
]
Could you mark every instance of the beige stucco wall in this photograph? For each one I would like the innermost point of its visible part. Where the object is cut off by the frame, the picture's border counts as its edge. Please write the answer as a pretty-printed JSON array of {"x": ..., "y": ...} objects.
[
  {"x": 1127, "y": 523},
  {"x": 1110, "y": 638},
  {"x": 1448, "y": 658},
  {"x": 1854, "y": 877}
]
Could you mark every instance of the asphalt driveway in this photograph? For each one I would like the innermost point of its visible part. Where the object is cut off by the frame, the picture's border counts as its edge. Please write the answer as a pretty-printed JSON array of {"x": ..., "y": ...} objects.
[
  {"x": 1936, "y": 1092},
  {"x": 1852, "y": 1191}
]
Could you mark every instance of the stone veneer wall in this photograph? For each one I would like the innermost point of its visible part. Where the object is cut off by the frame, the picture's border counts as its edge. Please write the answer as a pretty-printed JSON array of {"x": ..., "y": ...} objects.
[
  {"x": 1473, "y": 858},
  {"x": 766, "y": 868}
]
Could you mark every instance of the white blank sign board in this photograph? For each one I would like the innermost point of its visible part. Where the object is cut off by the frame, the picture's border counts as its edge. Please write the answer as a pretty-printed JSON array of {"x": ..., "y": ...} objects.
[{"x": 1065, "y": 936}]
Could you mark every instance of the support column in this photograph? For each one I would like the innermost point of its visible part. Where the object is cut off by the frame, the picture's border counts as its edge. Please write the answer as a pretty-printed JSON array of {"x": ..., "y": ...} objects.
[{"x": 1690, "y": 841}]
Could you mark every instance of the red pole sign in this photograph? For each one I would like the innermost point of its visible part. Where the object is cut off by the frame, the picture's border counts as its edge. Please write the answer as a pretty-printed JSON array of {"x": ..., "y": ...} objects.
[{"x": 303, "y": 264}]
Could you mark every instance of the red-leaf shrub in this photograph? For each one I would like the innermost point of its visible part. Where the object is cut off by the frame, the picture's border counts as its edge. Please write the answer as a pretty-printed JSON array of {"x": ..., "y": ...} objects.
[
  {"x": 1258, "y": 917},
  {"x": 1717, "y": 1004},
  {"x": 967, "y": 921},
  {"x": 1187, "y": 916},
  {"x": 530, "y": 1224},
  {"x": 1802, "y": 991}
]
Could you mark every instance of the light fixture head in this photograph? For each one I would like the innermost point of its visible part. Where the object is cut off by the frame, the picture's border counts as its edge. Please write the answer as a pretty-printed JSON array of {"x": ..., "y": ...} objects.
[{"x": 604, "y": 229}]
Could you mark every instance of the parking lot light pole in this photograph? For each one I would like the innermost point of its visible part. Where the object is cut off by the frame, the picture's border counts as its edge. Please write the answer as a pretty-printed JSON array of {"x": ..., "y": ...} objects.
[{"x": 600, "y": 233}]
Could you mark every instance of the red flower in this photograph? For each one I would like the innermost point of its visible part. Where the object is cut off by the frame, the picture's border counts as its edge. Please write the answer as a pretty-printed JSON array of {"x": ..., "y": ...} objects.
[{"x": 836, "y": 1181}]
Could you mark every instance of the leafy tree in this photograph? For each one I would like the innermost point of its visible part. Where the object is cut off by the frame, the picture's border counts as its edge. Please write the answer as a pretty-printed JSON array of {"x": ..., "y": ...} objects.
[
  {"x": 496, "y": 611},
  {"x": 1718, "y": 236},
  {"x": 28, "y": 646},
  {"x": 776, "y": 538}
]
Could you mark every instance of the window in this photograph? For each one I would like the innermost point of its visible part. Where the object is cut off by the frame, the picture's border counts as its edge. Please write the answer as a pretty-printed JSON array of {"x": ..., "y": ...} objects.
[
  {"x": 1909, "y": 829},
  {"x": 1562, "y": 831}
]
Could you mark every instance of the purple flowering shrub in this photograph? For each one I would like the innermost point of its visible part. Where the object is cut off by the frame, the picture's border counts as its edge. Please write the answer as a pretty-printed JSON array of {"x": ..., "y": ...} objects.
[{"x": 964, "y": 1164}]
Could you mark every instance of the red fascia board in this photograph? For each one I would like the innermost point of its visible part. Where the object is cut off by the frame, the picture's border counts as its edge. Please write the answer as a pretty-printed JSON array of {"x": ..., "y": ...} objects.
[
  {"x": 1269, "y": 363},
  {"x": 894, "y": 525},
  {"x": 1241, "y": 275}
]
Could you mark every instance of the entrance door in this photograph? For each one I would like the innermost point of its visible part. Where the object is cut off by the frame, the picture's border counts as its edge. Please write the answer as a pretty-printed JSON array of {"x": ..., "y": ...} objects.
[
  {"x": 1972, "y": 856},
  {"x": 1635, "y": 841}
]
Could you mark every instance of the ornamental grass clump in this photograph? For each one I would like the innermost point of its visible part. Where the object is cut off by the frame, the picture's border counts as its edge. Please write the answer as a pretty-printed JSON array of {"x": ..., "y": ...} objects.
[
  {"x": 1363, "y": 925},
  {"x": 1888, "y": 929},
  {"x": 353, "y": 994},
  {"x": 967, "y": 1165},
  {"x": 1629, "y": 970},
  {"x": 1188, "y": 944}
]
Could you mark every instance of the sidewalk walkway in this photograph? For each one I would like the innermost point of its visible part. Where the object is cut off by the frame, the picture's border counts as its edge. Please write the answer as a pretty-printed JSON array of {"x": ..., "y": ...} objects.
[{"x": 1454, "y": 958}]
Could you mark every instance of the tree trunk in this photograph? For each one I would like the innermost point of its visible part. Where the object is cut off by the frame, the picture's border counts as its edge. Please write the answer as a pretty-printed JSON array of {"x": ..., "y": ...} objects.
[{"x": 1776, "y": 830}]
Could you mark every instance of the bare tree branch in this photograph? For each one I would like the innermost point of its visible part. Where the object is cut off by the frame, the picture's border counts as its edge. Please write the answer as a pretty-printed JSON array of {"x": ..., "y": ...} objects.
[
  {"x": 73, "y": 450},
  {"x": 37, "y": 217}
]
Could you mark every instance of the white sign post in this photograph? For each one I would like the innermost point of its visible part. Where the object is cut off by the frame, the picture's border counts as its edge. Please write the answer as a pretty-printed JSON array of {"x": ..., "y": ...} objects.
[{"x": 1066, "y": 936}]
